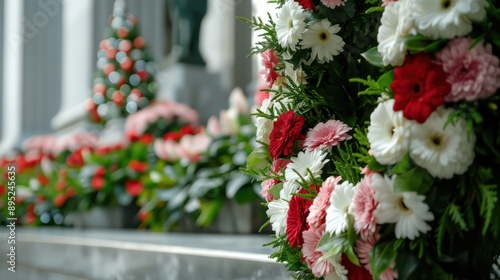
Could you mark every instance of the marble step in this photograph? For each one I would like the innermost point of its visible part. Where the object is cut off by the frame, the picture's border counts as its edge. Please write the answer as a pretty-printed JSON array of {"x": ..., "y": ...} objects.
[{"x": 68, "y": 254}]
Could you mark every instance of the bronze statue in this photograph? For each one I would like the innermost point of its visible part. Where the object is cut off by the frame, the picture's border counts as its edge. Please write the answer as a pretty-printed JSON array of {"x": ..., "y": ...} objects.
[{"x": 186, "y": 23}]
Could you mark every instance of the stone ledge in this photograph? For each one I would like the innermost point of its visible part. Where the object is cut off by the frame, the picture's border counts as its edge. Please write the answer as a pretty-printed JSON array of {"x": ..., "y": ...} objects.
[{"x": 107, "y": 254}]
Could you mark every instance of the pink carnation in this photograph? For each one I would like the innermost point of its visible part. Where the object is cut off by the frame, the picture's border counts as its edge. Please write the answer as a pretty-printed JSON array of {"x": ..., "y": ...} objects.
[
  {"x": 269, "y": 61},
  {"x": 266, "y": 186},
  {"x": 333, "y": 3},
  {"x": 312, "y": 257},
  {"x": 364, "y": 204},
  {"x": 473, "y": 74},
  {"x": 317, "y": 212},
  {"x": 364, "y": 246},
  {"x": 326, "y": 135}
]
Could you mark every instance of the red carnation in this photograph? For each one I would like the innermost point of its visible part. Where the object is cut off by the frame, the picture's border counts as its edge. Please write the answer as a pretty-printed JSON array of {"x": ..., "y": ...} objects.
[
  {"x": 133, "y": 187},
  {"x": 355, "y": 272},
  {"x": 296, "y": 220},
  {"x": 97, "y": 183},
  {"x": 138, "y": 166},
  {"x": 307, "y": 4},
  {"x": 419, "y": 87},
  {"x": 59, "y": 200},
  {"x": 285, "y": 131}
]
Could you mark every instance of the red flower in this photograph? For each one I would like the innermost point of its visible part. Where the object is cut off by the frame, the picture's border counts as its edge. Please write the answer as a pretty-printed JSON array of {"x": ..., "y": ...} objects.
[
  {"x": 132, "y": 135},
  {"x": 43, "y": 180},
  {"x": 61, "y": 185},
  {"x": 419, "y": 87},
  {"x": 70, "y": 192},
  {"x": 296, "y": 220},
  {"x": 76, "y": 159},
  {"x": 285, "y": 131},
  {"x": 307, "y": 4},
  {"x": 97, "y": 183},
  {"x": 138, "y": 166},
  {"x": 2, "y": 189},
  {"x": 59, "y": 200},
  {"x": 100, "y": 171},
  {"x": 147, "y": 139},
  {"x": 355, "y": 272},
  {"x": 133, "y": 187}
]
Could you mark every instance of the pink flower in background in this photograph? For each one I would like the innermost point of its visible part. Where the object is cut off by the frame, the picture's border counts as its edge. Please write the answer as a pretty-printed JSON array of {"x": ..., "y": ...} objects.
[
  {"x": 166, "y": 150},
  {"x": 238, "y": 101},
  {"x": 473, "y": 74},
  {"x": 191, "y": 147},
  {"x": 333, "y": 3},
  {"x": 213, "y": 126},
  {"x": 42, "y": 143},
  {"x": 317, "y": 212},
  {"x": 326, "y": 135},
  {"x": 312, "y": 257},
  {"x": 75, "y": 141},
  {"x": 364, "y": 246},
  {"x": 363, "y": 205}
]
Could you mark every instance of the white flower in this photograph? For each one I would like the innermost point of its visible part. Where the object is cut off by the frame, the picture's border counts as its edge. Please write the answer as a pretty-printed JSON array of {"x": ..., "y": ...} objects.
[
  {"x": 340, "y": 272},
  {"x": 306, "y": 164},
  {"x": 407, "y": 209},
  {"x": 443, "y": 153},
  {"x": 298, "y": 76},
  {"x": 388, "y": 133},
  {"x": 321, "y": 38},
  {"x": 278, "y": 214},
  {"x": 264, "y": 125},
  {"x": 290, "y": 24},
  {"x": 397, "y": 23},
  {"x": 447, "y": 19},
  {"x": 337, "y": 217}
]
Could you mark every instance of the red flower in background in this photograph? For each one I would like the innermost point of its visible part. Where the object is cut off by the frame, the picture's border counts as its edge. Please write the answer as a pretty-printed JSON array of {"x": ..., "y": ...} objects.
[
  {"x": 307, "y": 4},
  {"x": 147, "y": 139},
  {"x": 2, "y": 189},
  {"x": 76, "y": 158},
  {"x": 419, "y": 87},
  {"x": 97, "y": 183},
  {"x": 70, "y": 192},
  {"x": 138, "y": 166},
  {"x": 133, "y": 187},
  {"x": 43, "y": 180},
  {"x": 59, "y": 200},
  {"x": 285, "y": 131}
]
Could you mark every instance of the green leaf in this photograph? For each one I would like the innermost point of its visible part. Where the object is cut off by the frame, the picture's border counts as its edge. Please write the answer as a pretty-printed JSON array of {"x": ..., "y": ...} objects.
[
  {"x": 237, "y": 181},
  {"x": 416, "y": 179},
  {"x": 374, "y": 57},
  {"x": 406, "y": 264},
  {"x": 375, "y": 166},
  {"x": 352, "y": 256},
  {"x": 382, "y": 257},
  {"x": 386, "y": 79},
  {"x": 403, "y": 166},
  {"x": 374, "y": 9},
  {"x": 209, "y": 211},
  {"x": 419, "y": 43},
  {"x": 488, "y": 201},
  {"x": 258, "y": 159},
  {"x": 325, "y": 243},
  {"x": 275, "y": 190},
  {"x": 456, "y": 216}
]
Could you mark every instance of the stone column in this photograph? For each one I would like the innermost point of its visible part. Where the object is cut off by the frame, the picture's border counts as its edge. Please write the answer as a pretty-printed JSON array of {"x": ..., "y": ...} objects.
[
  {"x": 77, "y": 64},
  {"x": 12, "y": 75}
]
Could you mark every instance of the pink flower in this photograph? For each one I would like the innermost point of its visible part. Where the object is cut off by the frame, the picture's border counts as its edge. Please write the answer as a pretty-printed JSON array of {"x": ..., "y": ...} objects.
[
  {"x": 266, "y": 186},
  {"x": 312, "y": 257},
  {"x": 269, "y": 61},
  {"x": 386, "y": 2},
  {"x": 327, "y": 135},
  {"x": 317, "y": 212},
  {"x": 363, "y": 205},
  {"x": 333, "y": 3},
  {"x": 166, "y": 150},
  {"x": 473, "y": 74},
  {"x": 191, "y": 147},
  {"x": 213, "y": 126},
  {"x": 364, "y": 246},
  {"x": 238, "y": 101},
  {"x": 280, "y": 164}
]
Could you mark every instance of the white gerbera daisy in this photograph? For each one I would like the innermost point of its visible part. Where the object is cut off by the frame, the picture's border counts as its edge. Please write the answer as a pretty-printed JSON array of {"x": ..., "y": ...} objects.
[
  {"x": 340, "y": 272},
  {"x": 278, "y": 211},
  {"x": 305, "y": 164},
  {"x": 290, "y": 24},
  {"x": 443, "y": 152},
  {"x": 397, "y": 23},
  {"x": 447, "y": 19},
  {"x": 337, "y": 217},
  {"x": 388, "y": 133},
  {"x": 407, "y": 209},
  {"x": 321, "y": 38}
]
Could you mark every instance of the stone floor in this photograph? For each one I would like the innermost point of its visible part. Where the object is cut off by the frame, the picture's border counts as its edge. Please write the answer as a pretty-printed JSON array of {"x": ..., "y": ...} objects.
[{"x": 67, "y": 254}]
